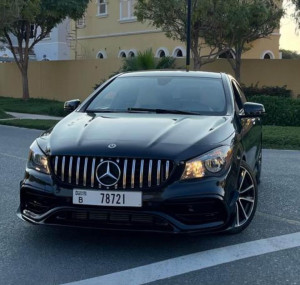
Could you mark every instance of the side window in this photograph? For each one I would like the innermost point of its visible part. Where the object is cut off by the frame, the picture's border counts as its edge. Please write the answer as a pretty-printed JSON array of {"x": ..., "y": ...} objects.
[
  {"x": 241, "y": 93},
  {"x": 239, "y": 104}
]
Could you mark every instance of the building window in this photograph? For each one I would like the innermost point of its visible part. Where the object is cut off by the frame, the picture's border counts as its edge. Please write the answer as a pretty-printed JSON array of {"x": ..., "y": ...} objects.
[
  {"x": 102, "y": 7},
  {"x": 81, "y": 22},
  {"x": 179, "y": 52},
  {"x": 267, "y": 55},
  {"x": 162, "y": 52},
  {"x": 101, "y": 54},
  {"x": 127, "y": 10},
  {"x": 122, "y": 54},
  {"x": 132, "y": 53}
]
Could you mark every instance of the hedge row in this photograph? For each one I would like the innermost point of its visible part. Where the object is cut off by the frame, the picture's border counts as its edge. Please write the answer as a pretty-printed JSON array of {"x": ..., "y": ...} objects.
[
  {"x": 3, "y": 115},
  {"x": 254, "y": 90},
  {"x": 280, "y": 111}
]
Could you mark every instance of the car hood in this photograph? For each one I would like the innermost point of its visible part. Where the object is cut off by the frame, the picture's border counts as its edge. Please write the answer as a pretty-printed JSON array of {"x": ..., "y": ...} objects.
[{"x": 165, "y": 136}]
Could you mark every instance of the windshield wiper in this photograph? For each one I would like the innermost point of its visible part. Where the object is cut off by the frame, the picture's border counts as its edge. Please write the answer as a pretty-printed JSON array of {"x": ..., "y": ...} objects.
[
  {"x": 162, "y": 111},
  {"x": 105, "y": 111}
]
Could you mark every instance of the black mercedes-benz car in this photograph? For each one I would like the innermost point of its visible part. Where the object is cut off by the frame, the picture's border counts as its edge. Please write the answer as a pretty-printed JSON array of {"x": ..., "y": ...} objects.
[{"x": 161, "y": 151}]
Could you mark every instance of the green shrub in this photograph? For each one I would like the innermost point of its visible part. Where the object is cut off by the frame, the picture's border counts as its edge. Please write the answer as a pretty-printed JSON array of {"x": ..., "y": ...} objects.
[
  {"x": 254, "y": 90},
  {"x": 289, "y": 54},
  {"x": 280, "y": 111},
  {"x": 147, "y": 61},
  {"x": 143, "y": 61},
  {"x": 3, "y": 115}
]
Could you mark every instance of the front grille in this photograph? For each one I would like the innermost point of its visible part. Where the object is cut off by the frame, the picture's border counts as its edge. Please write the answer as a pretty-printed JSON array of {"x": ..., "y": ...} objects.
[{"x": 78, "y": 171}]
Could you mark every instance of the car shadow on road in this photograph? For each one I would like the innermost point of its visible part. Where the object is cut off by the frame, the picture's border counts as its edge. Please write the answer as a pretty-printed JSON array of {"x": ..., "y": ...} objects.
[
  {"x": 112, "y": 243},
  {"x": 262, "y": 227}
]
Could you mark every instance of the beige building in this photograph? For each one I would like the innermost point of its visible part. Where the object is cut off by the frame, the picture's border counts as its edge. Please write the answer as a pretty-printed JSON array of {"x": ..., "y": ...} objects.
[{"x": 110, "y": 30}]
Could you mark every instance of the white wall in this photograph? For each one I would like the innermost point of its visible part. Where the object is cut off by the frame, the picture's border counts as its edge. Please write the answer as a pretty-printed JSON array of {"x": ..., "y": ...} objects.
[{"x": 55, "y": 47}]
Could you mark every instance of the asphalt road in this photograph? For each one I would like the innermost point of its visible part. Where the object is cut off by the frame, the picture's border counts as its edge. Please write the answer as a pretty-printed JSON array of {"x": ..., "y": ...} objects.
[{"x": 43, "y": 255}]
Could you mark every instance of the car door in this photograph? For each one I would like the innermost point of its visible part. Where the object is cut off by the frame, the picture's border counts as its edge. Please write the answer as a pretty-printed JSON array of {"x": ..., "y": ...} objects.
[{"x": 251, "y": 132}]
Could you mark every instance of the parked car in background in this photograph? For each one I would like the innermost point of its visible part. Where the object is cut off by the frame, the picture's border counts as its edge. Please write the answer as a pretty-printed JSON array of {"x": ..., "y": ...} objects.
[{"x": 161, "y": 151}]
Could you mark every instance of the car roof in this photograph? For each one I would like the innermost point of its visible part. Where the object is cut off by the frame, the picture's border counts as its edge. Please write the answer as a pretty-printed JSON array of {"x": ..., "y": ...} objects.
[{"x": 173, "y": 73}]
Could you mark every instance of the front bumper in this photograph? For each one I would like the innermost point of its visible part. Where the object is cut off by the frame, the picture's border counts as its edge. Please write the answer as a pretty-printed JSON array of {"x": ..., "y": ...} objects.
[{"x": 182, "y": 207}]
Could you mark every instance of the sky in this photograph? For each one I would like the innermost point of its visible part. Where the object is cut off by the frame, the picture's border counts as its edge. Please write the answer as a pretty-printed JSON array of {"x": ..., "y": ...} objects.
[{"x": 290, "y": 36}]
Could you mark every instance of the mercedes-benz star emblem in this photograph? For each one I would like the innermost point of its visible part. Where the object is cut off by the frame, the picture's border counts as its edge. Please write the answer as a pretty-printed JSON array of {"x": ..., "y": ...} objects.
[
  {"x": 108, "y": 173},
  {"x": 112, "y": 145}
]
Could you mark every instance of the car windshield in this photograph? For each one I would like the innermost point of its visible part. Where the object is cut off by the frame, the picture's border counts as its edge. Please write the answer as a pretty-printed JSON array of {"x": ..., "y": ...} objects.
[{"x": 162, "y": 94}]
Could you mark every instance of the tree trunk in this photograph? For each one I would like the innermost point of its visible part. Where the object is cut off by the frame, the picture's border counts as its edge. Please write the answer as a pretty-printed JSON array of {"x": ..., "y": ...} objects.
[
  {"x": 25, "y": 62},
  {"x": 25, "y": 84},
  {"x": 238, "y": 65},
  {"x": 197, "y": 62},
  {"x": 195, "y": 50},
  {"x": 23, "y": 55},
  {"x": 196, "y": 57}
]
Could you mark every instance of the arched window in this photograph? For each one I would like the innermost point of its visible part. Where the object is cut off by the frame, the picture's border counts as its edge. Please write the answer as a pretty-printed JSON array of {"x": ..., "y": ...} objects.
[
  {"x": 132, "y": 53},
  {"x": 267, "y": 55},
  {"x": 162, "y": 52},
  {"x": 179, "y": 52},
  {"x": 101, "y": 54},
  {"x": 122, "y": 54}
]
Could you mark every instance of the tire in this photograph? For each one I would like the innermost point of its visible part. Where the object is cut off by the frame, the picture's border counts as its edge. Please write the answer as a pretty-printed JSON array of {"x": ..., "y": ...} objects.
[
  {"x": 247, "y": 201},
  {"x": 258, "y": 168}
]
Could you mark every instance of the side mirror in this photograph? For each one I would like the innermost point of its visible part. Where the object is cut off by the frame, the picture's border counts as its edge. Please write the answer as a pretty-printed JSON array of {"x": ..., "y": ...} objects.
[
  {"x": 253, "y": 110},
  {"x": 72, "y": 105}
]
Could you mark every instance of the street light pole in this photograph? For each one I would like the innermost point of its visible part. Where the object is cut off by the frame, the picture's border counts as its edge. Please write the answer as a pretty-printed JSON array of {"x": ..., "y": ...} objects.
[{"x": 188, "y": 36}]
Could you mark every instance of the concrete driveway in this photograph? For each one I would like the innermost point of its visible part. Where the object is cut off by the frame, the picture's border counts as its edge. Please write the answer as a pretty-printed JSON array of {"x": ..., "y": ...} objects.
[{"x": 268, "y": 252}]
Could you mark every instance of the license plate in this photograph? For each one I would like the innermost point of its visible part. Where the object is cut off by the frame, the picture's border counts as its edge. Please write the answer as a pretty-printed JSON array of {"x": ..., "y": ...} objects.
[{"x": 107, "y": 198}]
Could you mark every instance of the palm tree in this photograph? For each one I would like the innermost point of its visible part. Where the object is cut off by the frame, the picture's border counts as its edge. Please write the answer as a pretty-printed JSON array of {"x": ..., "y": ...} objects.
[{"x": 146, "y": 61}]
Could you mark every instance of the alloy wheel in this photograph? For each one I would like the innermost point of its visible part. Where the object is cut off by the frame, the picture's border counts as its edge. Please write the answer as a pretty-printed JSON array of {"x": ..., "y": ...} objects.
[{"x": 247, "y": 197}]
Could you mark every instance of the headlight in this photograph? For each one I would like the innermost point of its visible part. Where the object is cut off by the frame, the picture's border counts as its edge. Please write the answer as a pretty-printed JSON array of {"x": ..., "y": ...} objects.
[
  {"x": 209, "y": 164},
  {"x": 37, "y": 159}
]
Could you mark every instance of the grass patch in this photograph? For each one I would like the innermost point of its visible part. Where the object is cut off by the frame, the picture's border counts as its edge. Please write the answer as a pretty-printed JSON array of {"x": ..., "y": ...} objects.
[
  {"x": 281, "y": 137},
  {"x": 3, "y": 115},
  {"x": 30, "y": 124},
  {"x": 32, "y": 106}
]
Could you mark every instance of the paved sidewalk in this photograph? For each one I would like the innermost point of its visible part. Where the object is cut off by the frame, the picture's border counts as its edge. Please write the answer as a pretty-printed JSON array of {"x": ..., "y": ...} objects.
[{"x": 33, "y": 116}]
